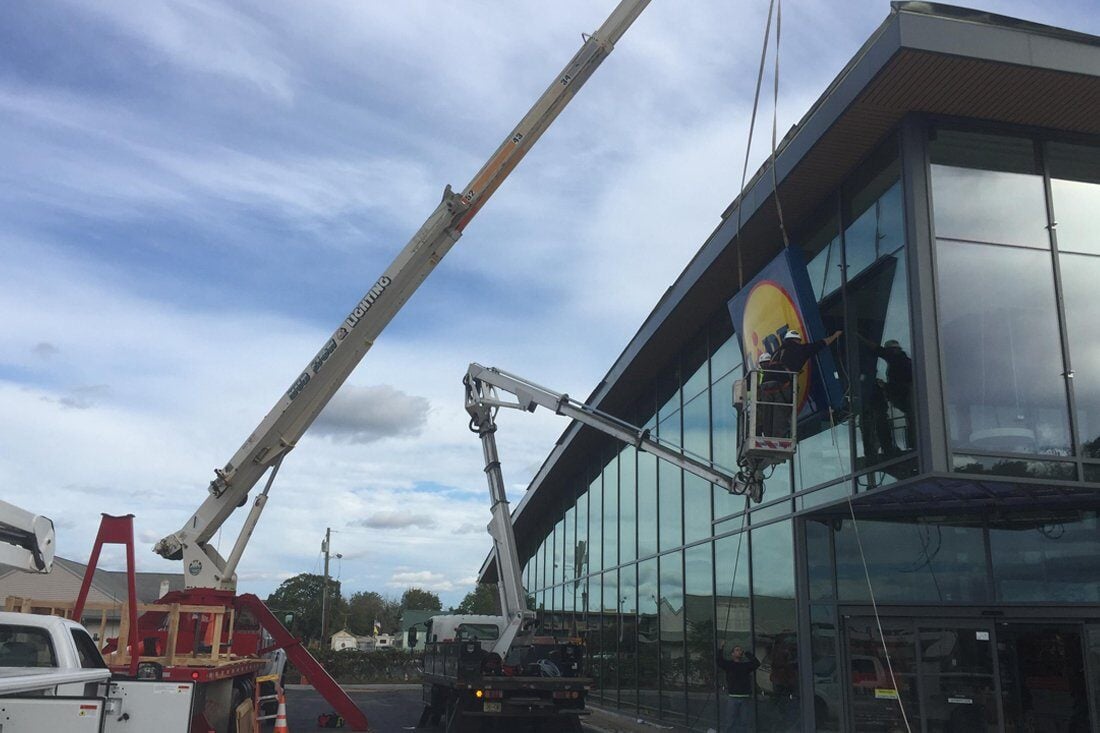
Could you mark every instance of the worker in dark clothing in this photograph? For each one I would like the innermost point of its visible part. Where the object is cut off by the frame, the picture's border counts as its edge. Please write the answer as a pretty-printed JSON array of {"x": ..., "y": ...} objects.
[
  {"x": 792, "y": 355},
  {"x": 739, "y": 669},
  {"x": 772, "y": 420},
  {"x": 898, "y": 387}
]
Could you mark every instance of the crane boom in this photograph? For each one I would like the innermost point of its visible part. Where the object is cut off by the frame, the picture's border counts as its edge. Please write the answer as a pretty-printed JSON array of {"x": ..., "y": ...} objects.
[
  {"x": 26, "y": 540},
  {"x": 483, "y": 388},
  {"x": 299, "y": 406}
]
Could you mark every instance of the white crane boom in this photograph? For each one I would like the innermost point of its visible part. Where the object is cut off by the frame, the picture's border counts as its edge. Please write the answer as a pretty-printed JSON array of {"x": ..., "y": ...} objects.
[
  {"x": 26, "y": 540},
  {"x": 483, "y": 388},
  {"x": 341, "y": 353}
]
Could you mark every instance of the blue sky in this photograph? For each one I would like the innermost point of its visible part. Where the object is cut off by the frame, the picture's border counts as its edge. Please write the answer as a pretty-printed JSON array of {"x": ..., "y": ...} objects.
[{"x": 193, "y": 194}]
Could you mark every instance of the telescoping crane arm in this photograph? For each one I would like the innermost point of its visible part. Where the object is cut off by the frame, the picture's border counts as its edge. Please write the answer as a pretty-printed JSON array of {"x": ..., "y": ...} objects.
[
  {"x": 341, "y": 353},
  {"x": 483, "y": 388},
  {"x": 26, "y": 540}
]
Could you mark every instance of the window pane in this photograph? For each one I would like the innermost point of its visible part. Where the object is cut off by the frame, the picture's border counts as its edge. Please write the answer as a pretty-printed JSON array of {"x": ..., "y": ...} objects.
[
  {"x": 731, "y": 578},
  {"x": 1001, "y": 349},
  {"x": 723, "y": 425},
  {"x": 569, "y": 544},
  {"x": 611, "y": 513},
  {"x": 580, "y": 558},
  {"x": 725, "y": 354},
  {"x": 1051, "y": 557},
  {"x": 595, "y": 525},
  {"x": 699, "y": 610},
  {"x": 827, "y": 680},
  {"x": 911, "y": 561},
  {"x": 819, "y": 560},
  {"x": 628, "y": 637},
  {"x": 671, "y": 612},
  {"x": 1080, "y": 275},
  {"x": 697, "y": 492},
  {"x": 986, "y": 188},
  {"x": 1075, "y": 188},
  {"x": 670, "y": 486},
  {"x": 775, "y": 628},
  {"x": 648, "y": 635},
  {"x": 628, "y": 511},
  {"x": 693, "y": 365},
  {"x": 609, "y": 625},
  {"x": 878, "y": 231},
  {"x": 647, "y": 504}
]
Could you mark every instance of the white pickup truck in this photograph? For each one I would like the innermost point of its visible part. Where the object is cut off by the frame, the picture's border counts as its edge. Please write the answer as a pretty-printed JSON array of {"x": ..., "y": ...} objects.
[{"x": 53, "y": 678}]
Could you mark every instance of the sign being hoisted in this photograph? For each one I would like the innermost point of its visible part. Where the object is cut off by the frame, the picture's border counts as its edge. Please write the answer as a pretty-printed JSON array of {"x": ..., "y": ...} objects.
[{"x": 780, "y": 299}]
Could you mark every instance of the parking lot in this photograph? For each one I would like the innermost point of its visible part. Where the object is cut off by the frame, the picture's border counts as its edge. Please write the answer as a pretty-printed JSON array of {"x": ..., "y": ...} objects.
[{"x": 387, "y": 707}]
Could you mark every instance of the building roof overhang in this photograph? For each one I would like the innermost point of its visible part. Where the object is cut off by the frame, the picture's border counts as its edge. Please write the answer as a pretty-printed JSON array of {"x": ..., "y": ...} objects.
[{"x": 925, "y": 58}]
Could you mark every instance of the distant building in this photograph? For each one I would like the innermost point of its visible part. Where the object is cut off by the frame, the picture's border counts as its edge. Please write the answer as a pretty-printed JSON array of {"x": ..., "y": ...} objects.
[
  {"x": 52, "y": 592},
  {"x": 344, "y": 639}
]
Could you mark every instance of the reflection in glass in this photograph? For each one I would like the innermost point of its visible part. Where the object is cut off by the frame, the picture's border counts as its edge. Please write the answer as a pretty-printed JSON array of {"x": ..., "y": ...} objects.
[
  {"x": 671, "y": 613},
  {"x": 731, "y": 593},
  {"x": 826, "y": 671},
  {"x": 611, "y": 513},
  {"x": 911, "y": 560},
  {"x": 723, "y": 425},
  {"x": 1046, "y": 557},
  {"x": 877, "y": 232},
  {"x": 592, "y": 630},
  {"x": 1080, "y": 275},
  {"x": 1061, "y": 470},
  {"x": 823, "y": 259},
  {"x": 879, "y": 701},
  {"x": 648, "y": 637},
  {"x": 609, "y": 634},
  {"x": 725, "y": 348},
  {"x": 824, "y": 445},
  {"x": 628, "y": 508},
  {"x": 647, "y": 504},
  {"x": 628, "y": 637},
  {"x": 819, "y": 559},
  {"x": 1075, "y": 189},
  {"x": 1001, "y": 348},
  {"x": 699, "y": 612},
  {"x": 697, "y": 496},
  {"x": 582, "y": 551},
  {"x": 986, "y": 188},
  {"x": 595, "y": 524},
  {"x": 775, "y": 628},
  {"x": 670, "y": 487},
  {"x": 693, "y": 365},
  {"x": 569, "y": 544}
]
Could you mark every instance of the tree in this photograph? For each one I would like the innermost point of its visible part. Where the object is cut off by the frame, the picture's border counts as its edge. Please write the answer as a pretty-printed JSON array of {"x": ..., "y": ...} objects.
[
  {"x": 366, "y": 607},
  {"x": 301, "y": 596},
  {"x": 420, "y": 600},
  {"x": 483, "y": 599}
]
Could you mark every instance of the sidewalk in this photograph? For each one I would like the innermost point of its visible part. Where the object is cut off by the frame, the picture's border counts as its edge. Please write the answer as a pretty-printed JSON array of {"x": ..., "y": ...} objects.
[{"x": 601, "y": 720}]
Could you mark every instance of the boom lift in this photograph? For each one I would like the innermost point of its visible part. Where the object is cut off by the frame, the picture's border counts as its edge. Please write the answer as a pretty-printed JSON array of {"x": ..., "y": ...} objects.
[
  {"x": 26, "y": 540},
  {"x": 211, "y": 579}
]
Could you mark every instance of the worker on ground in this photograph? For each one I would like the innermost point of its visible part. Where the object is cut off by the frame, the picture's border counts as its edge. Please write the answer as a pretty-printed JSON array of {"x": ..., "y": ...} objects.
[{"x": 739, "y": 668}]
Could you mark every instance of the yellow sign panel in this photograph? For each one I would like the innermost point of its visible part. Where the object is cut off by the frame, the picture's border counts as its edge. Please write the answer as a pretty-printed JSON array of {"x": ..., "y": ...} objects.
[{"x": 769, "y": 313}]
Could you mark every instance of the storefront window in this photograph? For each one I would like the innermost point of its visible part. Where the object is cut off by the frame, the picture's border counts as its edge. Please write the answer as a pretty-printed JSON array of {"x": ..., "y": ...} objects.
[
  {"x": 628, "y": 508},
  {"x": 611, "y": 513},
  {"x": 1046, "y": 557},
  {"x": 671, "y": 612},
  {"x": 699, "y": 612},
  {"x": 911, "y": 561},
  {"x": 569, "y": 544},
  {"x": 583, "y": 549},
  {"x": 628, "y": 637},
  {"x": 1075, "y": 186},
  {"x": 1080, "y": 275},
  {"x": 819, "y": 560},
  {"x": 670, "y": 487},
  {"x": 595, "y": 524},
  {"x": 647, "y": 504},
  {"x": 609, "y": 634},
  {"x": 1001, "y": 349},
  {"x": 775, "y": 628},
  {"x": 826, "y": 671},
  {"x": 723, "y": 424},
  {"x": 987, "y": 188},
  {"x": 649, "y": 636}
]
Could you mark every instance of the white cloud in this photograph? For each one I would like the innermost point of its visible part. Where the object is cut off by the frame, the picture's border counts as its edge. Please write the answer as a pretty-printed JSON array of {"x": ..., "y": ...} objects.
[
  {"x": 367, "y": 414},
  {"x": 393, "y": 520}
]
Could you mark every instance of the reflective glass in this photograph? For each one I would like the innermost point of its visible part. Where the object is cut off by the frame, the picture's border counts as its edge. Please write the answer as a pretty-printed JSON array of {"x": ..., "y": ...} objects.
[
  {"x": 594, "y": 636},
  {"x": 910, "y": 560},
  {"x": 821, "y": 458},
  {"x": 824, "y": 495},
  {"x": 580, "y": 559},
  {"x": 609, "y": 631},
  {"x": 668, "y": 393},
  {"x": 554, "y": 556},
  {"x": 877, "y": 222},
  {"x": 877, "y": 699},
  {"x": 670, "y": 485},
  {"x": 1001, "y": 347},
  {"x": 569, "y": 544},
  {"x": 775, "y": 628},
  {"x": 725, "y": 348},
  {"x": 628, "y": 637},
  {"x": 1062, "y": 470},
  {"x": 1080, "y": 276},
  {"x": 699, "y": 612},
  {"x": 987, "y": 188},
  {"x": 723, "y": 424},
  {"x": 824, "y": 258},
  {"x": 1075, "y": 189},
  {"x": 694, "y": 367},
  {"x": 1046, "y": 557},
  {"x": 731, "y": 589},
  {"x": 671, "y": 612},
  {"x": 819, "y": 559},
  {"x": 647, "y": 504},
  {"x": 649, "y": 636},
  {"x": 628, "y": 505},
  {"x": 611, "y": 513},
  {"x": 826, "y": 671},
  {"x": 595, "y": 524},
  {"x": 697, "y": 497}
]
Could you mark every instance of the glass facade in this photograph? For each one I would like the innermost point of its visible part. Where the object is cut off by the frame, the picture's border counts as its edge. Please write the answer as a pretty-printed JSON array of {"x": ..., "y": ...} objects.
[{"x": 656, "y": 568}]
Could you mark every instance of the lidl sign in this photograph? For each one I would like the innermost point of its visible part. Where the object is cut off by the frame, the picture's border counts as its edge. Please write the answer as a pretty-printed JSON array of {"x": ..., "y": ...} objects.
[{"x": 780, "y": 299}]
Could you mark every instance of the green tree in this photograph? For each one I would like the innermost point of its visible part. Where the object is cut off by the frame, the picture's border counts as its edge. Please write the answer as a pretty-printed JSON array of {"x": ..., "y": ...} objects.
[
  {"x": 366, "y": 607},
  {"x": 483, "y": 599},
  {"x": 420, "y": 600},
  {"x": 301, "y": 596}
]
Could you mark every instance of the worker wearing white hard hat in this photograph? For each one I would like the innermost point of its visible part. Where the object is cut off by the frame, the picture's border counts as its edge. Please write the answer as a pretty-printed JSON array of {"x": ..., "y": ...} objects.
[{"x": 794, "y": 354}]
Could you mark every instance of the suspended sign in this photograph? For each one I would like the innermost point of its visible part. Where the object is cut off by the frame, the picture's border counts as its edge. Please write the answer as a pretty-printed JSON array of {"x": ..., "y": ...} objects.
[{"x": 781, "y": 299}]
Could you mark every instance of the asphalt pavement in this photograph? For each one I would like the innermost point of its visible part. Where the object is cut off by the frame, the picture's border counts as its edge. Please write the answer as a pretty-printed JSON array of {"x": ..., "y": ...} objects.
[{"x": 389, "y": 708}]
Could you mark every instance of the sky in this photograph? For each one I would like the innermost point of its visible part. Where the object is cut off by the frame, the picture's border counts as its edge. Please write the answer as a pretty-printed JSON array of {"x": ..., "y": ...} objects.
[{"x": 193, "y": 195}]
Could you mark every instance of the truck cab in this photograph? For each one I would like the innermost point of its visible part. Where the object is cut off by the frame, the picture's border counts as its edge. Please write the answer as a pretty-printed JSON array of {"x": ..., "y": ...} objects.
[{"x": 483, "y": 629}]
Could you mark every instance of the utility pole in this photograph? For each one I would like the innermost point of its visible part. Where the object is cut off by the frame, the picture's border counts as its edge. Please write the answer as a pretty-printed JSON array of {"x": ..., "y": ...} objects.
[{"x": 324, "y": 589}]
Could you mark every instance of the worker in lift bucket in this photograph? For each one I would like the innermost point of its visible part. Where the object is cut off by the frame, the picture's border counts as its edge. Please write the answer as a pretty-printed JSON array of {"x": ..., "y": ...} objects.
[
  {"x": 772, "y": 419},
  {"x": 793, "y": 353}
]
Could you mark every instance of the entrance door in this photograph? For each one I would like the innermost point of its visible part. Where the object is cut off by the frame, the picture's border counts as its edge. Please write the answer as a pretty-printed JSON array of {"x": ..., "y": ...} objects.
[
  {"x": 944, "y": 677},
  {"x": 1043, "y": 684}
]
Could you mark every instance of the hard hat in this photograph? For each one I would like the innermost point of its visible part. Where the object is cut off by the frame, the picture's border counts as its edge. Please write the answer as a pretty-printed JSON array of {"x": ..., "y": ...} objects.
[
  {"x": 891, "y": 344},
  {"x": 792, "y": 335},
  {"x": 765, "y": 358}
]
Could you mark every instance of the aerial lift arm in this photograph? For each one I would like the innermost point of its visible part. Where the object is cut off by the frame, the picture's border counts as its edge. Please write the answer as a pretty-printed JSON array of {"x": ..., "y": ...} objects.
[
  {"x": 26, "y": 540},
  {"x": 296, "y": 410},
  {"x": 483, "y": 388}
]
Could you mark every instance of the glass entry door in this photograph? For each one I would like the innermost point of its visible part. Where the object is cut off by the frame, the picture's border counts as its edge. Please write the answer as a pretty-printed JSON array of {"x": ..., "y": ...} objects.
[
  {"x": 944, "y": 676},
  {"x": 1043, "y": 685}
]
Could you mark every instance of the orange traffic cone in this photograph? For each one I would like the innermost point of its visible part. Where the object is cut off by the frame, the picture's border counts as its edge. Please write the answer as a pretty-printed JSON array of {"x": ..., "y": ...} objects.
[{"x": 280, "y": 716}]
